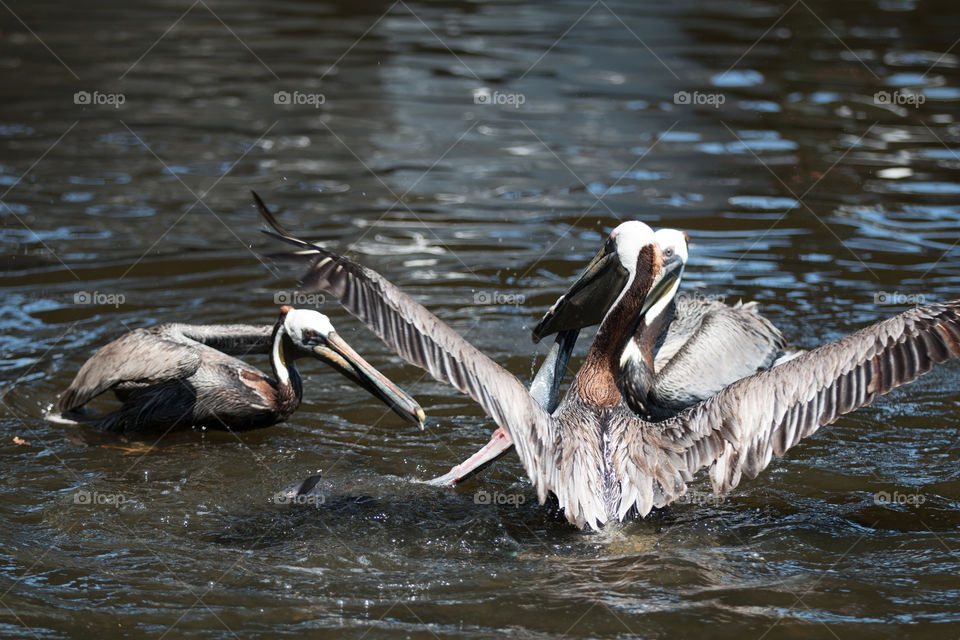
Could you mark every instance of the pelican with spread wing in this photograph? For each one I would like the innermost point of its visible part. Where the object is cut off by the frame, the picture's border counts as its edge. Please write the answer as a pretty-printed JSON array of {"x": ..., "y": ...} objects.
[
  {"x": 691, "y": 351},
  {"x": 601, "y": 460}
]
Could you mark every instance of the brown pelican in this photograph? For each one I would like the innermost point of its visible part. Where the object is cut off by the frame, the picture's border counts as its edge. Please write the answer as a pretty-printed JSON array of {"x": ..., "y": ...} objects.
[
  {"x": 597, "y": 457},
  {"x": 177, "y": 375},
  {"x": 706, "y": 346},
  {"x": 698, "y": 347}
]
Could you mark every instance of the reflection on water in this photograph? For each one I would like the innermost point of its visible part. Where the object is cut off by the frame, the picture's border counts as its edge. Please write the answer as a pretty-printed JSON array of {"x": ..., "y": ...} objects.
[{"x": 473, "y": 154}]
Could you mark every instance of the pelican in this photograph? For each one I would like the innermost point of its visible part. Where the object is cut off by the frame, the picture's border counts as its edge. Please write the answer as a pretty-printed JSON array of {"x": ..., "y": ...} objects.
[
  {"x": 706, "y": 346},
  {"x": 178, "y": 375},
  {"x": 601, "y": 460},
  {"x": 698, "y": 347}
]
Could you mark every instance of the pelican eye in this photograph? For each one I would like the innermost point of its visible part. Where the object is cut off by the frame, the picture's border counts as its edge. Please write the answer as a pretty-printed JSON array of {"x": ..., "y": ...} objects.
[
  {"x": 668, "y": 252},
  {"x": 310, "y": 336}
]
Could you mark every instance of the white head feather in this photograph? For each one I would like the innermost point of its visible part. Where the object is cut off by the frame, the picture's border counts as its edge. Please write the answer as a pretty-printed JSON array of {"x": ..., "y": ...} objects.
[
  {"x": 673, "y": 239},
  {"x": 295, "y": 324},
  {"x": 299, "y": 320},
  {"x": 630, "y": 238}
]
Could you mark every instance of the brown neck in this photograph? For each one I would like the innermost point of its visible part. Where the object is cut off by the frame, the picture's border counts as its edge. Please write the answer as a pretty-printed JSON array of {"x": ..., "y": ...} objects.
[
  {"x": 596, "y": 382},
  {"x": 289, "y": 396}
]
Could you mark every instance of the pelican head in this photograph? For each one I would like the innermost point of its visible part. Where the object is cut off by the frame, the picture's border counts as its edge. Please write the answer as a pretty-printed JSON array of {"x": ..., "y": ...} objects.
[
  {"x": 609, "y": 275},
  {"x": 311, "y": 333}
]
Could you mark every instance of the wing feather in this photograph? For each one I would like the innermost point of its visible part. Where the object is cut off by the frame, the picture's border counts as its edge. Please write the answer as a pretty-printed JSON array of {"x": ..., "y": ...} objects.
[
  {"x": 739, "y": 430},
  {"x": 141, "y": 355},
  {"x": 775, "y": 409},
  {"x": 422, "y": 339}
]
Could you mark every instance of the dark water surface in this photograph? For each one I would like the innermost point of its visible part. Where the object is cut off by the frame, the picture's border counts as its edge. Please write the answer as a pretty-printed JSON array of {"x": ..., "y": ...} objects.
[{"x": 818, "y": 174}]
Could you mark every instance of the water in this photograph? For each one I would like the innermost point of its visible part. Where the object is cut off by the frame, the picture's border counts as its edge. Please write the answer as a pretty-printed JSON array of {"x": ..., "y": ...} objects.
[{"x": 474, "y": 154}]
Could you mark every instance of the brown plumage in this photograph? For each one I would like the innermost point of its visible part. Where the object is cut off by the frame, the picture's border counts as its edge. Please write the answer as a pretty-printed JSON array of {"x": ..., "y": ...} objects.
[{"x": 175, "y": 376}]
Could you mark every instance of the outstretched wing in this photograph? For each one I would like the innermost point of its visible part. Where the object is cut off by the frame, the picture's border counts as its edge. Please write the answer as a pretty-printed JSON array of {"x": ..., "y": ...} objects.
[
  {"x": 142, "y": 356},
  {"x": 739, "y": 430},
  {"x": 419, "y": 337}
]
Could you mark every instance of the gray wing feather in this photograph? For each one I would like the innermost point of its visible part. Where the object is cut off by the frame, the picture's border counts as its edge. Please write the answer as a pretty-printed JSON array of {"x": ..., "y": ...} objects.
[
  {"x": 422, "y": 339},
  {"x": 141, "y": 356},
  {"x": 419, "y": 337},
  {"x": 724, "y": 344},
  {"x": 231, "y": 339},
  {"x": 767, "y": 413}
]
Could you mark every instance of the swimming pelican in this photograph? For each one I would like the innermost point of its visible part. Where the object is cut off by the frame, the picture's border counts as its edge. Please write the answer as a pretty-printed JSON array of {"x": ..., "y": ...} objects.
[
  {"x": 178, "y": 375},
  {"x": 706, "y": 346},
  {"x": 597, "y": 457}
]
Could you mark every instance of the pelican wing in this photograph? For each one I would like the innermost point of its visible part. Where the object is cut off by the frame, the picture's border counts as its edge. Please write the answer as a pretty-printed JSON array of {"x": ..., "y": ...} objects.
[
  {"x": 419, "y": 337},
  {"x": 142, "y": 355},
  {"x": 727, "y": 344},
  {"x": 740, "y": 429}
]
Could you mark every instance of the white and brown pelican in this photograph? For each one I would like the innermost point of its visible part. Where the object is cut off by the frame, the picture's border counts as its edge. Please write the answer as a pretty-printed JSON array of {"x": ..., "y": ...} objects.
[
  {"x": 597, "y": 457},
  {"x": 173, "y": 376},
  {"x": 695, "y": 348},
  {"x": 706, "y": 346}
]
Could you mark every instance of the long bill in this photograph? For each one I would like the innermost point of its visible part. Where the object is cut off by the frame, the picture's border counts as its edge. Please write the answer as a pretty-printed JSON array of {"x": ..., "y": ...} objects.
[
  {"x": 665, "y": 285},
  {"x": 598, "y": 287},
  {"x": 588, "y": 298},
  {"x": 342, "y": 357}
]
